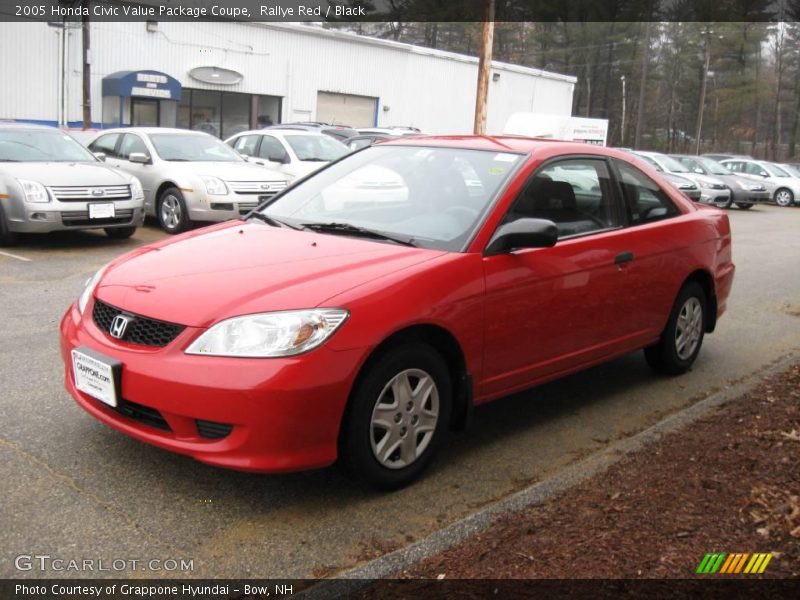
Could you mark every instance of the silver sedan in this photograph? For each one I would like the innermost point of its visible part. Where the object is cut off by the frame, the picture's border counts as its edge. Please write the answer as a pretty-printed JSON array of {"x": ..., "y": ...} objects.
[
  {"x": 49, "y": 182},
  {"x": 188, "y": 175}
]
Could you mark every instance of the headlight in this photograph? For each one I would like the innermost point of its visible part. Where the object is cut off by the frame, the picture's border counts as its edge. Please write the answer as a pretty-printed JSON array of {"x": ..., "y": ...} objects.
[
  {"x": 88, "y": 290},
  {"x": 137, "y": 193},
  {"x": 215, "y": 186},
  {"x": 272, "y": 334},
  {"x": 34, "y": 191}
]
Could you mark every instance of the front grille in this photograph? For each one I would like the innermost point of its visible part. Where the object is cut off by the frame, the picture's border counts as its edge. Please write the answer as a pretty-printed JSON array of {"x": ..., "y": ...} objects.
[
  {"x": 143, "y": 414},
  {"x": 246, "y": 207},
  {"x": 263, "y": 188},
  {"x": 212, "y": 430},
  {"x": 80, "y": 218},
  {"x": 141, "y": 331},
  {"x": 97, "y": 192}
]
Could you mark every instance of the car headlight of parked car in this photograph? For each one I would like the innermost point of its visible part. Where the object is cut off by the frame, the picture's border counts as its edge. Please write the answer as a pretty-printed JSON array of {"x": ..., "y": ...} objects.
[
  {"x": 214, "y": 185},
  {"x": 273, "y": 334},
  {"x": 88, "y": 289},
  {"x": 34, "y": 191},
  {"x": 137, "y": 193}
]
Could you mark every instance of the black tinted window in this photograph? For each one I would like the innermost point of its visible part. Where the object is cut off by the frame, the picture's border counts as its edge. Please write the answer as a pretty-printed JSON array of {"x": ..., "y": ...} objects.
[
  {"x": 105, "y": 144},
  {"x": 130, "y": 144},
  {"x": 272, "y": 149},
  {"x": 645, "y": 201}
]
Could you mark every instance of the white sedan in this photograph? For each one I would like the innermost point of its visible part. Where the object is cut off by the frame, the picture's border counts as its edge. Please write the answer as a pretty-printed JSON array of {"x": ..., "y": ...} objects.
[{"x": 294, "y": 152}]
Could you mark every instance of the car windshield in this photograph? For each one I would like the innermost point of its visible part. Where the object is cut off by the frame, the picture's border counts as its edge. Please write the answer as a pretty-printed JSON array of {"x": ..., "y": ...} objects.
[
  {"x": 713, "y": 167},
  {"x": 650, "y": 162},
  {"x": 433, "y": 197},
  {"x": 670, "y": 164},
  {"x": 192, "y": 148},
  {"x": 316, "y": 147},
  {"x": 775, "y": 170},
  {"x": 37, "y": 145}
]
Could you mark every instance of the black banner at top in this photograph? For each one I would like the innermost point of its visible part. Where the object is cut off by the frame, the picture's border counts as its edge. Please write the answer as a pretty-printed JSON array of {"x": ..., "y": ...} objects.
[{"x": 332, "y": 11}]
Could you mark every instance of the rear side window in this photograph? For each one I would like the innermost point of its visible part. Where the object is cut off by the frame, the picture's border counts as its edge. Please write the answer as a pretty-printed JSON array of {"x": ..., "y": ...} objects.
[
  {"x": 645, "y": 201},
  {"x": 105, "y": 144}
]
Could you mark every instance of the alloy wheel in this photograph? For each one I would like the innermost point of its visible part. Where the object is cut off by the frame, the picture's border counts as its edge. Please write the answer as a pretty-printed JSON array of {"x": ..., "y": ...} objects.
[
  {"x": 170, "y": 212},
  {"x": 689, "y": 328}
]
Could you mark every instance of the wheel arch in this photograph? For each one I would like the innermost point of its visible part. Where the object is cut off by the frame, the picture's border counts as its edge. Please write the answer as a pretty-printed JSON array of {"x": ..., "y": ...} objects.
[
  {"x": 706, "y": 281},
  {"x": 446, "y": 344}
]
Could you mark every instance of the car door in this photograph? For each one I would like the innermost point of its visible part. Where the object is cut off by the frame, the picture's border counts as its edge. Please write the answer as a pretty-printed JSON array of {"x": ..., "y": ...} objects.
[{"x": 551, "y": 310}]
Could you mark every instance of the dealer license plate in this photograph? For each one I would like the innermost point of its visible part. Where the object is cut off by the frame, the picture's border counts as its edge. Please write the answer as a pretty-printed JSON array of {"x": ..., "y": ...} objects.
[
  {"x": 95, "y": 375},
  {"x": 101, "y": 211}
]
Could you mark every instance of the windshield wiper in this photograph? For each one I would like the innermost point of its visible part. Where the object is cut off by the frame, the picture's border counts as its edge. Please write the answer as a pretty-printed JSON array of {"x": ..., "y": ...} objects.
[
  {"x": 269, "y": 220},
  {"x": 347, "y": 229},
  {"x": 9, "y": 160}
]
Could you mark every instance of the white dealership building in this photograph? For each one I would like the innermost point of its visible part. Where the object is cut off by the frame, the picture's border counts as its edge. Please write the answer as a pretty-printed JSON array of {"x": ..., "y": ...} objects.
[{"x": 224, "y": 77}]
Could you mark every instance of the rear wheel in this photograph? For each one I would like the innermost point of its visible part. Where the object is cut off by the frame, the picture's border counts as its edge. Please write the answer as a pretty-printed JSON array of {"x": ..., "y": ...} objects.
[
  {"x": 171, "y": 210},
  {"x": 397, "y": 417},
  {"x": 120, "y": 233},
  {"x": 784, "y": 197},
  {"x": 681, "y": 339}
]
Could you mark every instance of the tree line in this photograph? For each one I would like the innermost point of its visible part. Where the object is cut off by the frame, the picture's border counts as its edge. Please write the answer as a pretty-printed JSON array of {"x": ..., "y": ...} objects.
[{"x": 745, "y": 73}]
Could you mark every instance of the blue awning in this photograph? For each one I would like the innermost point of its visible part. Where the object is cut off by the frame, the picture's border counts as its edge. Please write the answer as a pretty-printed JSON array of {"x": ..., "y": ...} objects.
[{"x": 143, "y": 84}]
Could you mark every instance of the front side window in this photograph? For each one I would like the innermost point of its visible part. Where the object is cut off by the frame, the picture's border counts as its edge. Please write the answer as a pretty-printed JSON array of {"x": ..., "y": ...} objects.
[
  {"x": 436, "y": 197},
  {"x": 130, "y": 144},
  {"x": 272, "y": 149},
  {"x": 106, "y": 144},
  {"x": 575, "y": 194},
  {"x": 179, "y": 147},
  {"x": 645, "y": 201}
]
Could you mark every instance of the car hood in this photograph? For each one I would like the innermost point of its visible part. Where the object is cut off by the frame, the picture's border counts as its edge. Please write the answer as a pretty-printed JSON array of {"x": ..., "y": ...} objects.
[
  {"x": 241, "y": 268},
  {"x": 67, "y": 174},
  {"x": 229, "y": 171},
  {"x": 679, "y": 179},
  {"x": 705, "y": 179}
]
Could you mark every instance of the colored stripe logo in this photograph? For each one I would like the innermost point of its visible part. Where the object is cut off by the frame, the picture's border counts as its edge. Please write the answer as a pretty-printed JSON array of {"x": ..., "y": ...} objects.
[{"x": 731, "y": 564}]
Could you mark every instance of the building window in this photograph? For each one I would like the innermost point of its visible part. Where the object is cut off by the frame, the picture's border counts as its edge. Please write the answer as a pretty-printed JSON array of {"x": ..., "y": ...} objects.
[{"x": 223, "y": 114}]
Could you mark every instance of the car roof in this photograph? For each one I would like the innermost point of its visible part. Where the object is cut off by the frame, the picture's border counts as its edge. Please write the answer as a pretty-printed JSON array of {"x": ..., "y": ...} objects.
[
  {"x": 31, "y": 126},
  {"x": 151, "y": 130},
  {"x": 287, "y": 131}
]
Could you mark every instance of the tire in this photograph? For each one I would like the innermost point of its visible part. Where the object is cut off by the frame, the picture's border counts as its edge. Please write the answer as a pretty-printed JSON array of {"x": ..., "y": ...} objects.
[
  {"x": 674, "y": 354},
  {"x": 784, "y": 197},
  {"x": 744, "y": 205},
  {"x": 386, "y": 441},
  {"x": 119, "y": 233},
  {"x": 171, "y": 211},
  {"x": 729, "y": 203},
  {"x": 7, "y": 237}
]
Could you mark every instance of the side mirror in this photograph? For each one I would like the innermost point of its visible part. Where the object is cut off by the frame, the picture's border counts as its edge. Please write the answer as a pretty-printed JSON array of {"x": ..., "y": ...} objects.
[
  {"x": 699, "y": 171},
  {"x": 246, "y": 157},
  {"x": 139, "y": 157},
  {"x": 100, "y": 156},
  {"x": 522, "y": 233},
  {"x": 764, "y": 174},
  {"x": 281, "y": 160}
]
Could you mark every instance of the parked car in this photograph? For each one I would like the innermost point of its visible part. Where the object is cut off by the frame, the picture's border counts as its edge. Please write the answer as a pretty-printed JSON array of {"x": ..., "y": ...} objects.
[
  {"x": 291, "y": 151},
  {"x": 783, "y": 187},
  {"x": 744, "y": 192},
  {"x": 363, "y": 333},
  {"x": 337, "y": 132},
  {"x": 367, "y": 139},
  {"x": 49, "y": 182},
  {"x": 188, "y": 175},
  {"x": 721, "y": 157},
  {"x": 712, "y": 190},
  {"x": 684, "y": 185}
]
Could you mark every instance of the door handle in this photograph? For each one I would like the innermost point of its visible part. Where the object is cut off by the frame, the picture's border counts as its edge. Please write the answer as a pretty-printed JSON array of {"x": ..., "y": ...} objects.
[{"x": 623, "y": 258}]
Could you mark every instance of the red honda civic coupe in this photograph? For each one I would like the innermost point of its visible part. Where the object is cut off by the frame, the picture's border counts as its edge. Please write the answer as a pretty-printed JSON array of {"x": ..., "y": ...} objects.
[{"x": 367, "y": 309}]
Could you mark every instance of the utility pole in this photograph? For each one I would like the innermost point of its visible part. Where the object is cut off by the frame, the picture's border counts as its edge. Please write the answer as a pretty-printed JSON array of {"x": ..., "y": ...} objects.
[
  {"x": 87, "y": 75},
  {"x": 637, "y": 136},
  {"x": 702, "y": 101},
  {"x": 622, "y": 121},
  {"x": 484, "y": 67}
]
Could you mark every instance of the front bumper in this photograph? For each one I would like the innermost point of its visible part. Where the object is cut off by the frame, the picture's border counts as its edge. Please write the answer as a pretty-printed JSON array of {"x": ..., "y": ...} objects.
[
  {"x": 750, "y": 197},
  {"x": 714, "y": 196},
  {"x": 284, "y": 413},
  {"x": 64, "y": 216}
]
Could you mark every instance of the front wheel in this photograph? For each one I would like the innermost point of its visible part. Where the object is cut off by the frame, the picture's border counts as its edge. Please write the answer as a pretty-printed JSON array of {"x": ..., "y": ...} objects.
[
  {"x": 682, "y": 337},
  {"x": 172, "y": 214},
  {"x": 784, "y": 197},
  {"x": 7, "y": 237},
  {"x": 744, "y": 205},
  {"x": 120, "y": 233},
  {"x": 397, "y": 417}
]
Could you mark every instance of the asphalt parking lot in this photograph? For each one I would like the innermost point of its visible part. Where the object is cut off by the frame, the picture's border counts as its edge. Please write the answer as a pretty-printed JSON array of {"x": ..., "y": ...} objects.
[{"x": 75, "y": 489}]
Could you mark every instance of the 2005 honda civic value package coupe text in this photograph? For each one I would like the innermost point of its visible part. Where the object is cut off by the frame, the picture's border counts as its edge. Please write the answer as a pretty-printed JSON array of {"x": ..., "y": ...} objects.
[{"x": 362, "y": 312}]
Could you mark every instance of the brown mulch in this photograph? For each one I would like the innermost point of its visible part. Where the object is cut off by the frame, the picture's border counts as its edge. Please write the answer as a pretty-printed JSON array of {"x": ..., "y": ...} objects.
[{"x": 727, "y": 483}]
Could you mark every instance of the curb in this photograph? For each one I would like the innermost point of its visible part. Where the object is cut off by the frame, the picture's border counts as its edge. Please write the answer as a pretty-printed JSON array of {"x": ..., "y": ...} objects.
[{"x": 353, "y": 579}]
